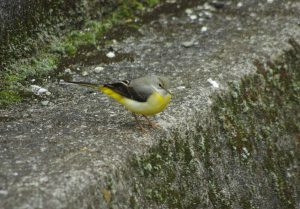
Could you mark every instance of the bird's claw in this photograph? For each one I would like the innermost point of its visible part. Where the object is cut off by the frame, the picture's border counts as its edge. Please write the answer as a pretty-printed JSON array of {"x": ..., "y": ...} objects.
[
  {"x": 144, "y": 130},
  {"x": 153, "y": 125}
]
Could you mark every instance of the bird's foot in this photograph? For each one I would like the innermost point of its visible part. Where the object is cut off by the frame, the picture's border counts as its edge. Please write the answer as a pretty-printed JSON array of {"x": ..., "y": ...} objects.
[
  {"x": 144, "y": 130},
  {"x": 153, "y": 125}
]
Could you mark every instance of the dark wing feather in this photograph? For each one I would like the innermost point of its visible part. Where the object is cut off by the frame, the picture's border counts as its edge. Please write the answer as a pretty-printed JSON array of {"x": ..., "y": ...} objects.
[
  {"x": 136, "y": 96},
  {"x": 120, "y": 88},
  {"x": 123, "y": 88}
]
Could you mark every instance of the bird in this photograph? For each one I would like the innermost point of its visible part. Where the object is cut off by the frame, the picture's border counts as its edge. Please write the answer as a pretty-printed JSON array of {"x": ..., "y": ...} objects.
[{"x": 147, "y": 95}]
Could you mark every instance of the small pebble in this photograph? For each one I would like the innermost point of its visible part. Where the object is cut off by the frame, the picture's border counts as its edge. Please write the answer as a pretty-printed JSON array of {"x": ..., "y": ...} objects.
[
  {"x": 204, "y": 29},
  {"x": 240, "y": 4},
  {"x": 84, "y": 73},
  {"x": 213, "y": 83},
  {"x": 208, "y": 14},
  {"x": 110, "y": 55},
  {"x": 187, "y": 43},
  {"x": 207, "y": 6},
  {"x": 98, "y": 69},
  {"x": 44, "y": 103},
  {"x": 42, "y": 90},
  {"x": 35, "y": 87},
  {"x": 188, "y": 11},
  {"x": 193, "y": 17},
  {"x": 270, "y": 1},
  {"x": 68, "y": 71}
]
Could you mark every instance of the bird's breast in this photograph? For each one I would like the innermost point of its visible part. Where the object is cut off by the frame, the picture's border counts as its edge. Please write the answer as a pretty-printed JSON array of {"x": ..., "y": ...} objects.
[{"x": 154, "y": 104}]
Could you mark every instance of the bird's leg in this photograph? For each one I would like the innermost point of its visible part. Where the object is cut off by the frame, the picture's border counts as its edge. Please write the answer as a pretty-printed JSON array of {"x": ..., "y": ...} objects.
[
  {"x": 151, "y": 124},
  {"x": 141, "y": 127}
]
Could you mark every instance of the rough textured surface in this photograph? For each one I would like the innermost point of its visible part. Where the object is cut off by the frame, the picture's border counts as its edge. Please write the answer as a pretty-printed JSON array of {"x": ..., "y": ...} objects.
[
  {"x": 245, "y": 155},
  {"x": 74, "y": 152},
  {"x": 25, "y": 24}
]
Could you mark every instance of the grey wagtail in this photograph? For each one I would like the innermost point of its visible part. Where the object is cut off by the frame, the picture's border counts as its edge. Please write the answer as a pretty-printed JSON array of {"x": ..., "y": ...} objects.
[{"x": 146, "y": 95}]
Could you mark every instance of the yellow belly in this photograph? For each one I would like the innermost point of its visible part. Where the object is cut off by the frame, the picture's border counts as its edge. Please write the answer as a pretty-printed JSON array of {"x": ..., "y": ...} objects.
[{"x": 155, "y": 103}]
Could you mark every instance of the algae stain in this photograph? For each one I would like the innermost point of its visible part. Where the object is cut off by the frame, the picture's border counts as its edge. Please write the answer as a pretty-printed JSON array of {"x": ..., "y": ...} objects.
[
  {"x": 106, "y": 195},
  {"x": 185, "y": 171}
]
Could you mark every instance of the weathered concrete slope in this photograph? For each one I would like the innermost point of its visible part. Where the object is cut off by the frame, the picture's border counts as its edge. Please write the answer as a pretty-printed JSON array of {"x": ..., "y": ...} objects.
[{"x": 74, "y": 152}]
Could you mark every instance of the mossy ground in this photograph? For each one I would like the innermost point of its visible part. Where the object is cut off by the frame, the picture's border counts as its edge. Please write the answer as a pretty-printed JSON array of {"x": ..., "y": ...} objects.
[
  {"x": 51, "y": 37},
  {"x": 247, "y": 154},
  {"x": 8, "y": 97},
  {"x": 28, "y": 57}
]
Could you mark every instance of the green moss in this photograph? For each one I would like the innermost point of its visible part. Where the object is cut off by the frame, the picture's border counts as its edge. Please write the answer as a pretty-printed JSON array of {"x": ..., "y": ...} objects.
[
  {"x": 269, "y": 164},
  {"x": 171, "y": 177},
  {"x": 133, "y": 26},
  {"x": 260, "y": 131},
  {"x": 152, "y": 3},
  {"x": 46, "y": 52},
  {"x": 245, "y": 202},
  {"x": 195, "y": 202},
  {"x": 8, "y": 97},
  {"x": 132, "y": 202},
  {"x": 188, "y": 153},
  {"x": 162, "y": 159},
  {"x": 70, "y": 49}
]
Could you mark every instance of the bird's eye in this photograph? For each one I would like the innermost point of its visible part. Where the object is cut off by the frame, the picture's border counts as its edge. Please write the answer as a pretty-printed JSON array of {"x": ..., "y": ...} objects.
[{"x": 161, "y": 86}]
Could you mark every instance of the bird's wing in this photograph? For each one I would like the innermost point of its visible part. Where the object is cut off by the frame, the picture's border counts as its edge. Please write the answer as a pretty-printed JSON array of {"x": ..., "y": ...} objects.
[
  {"x": 120, "y": 87},
  {"x": 140, "y": 89},
  {"x": 136, "y": 89}
]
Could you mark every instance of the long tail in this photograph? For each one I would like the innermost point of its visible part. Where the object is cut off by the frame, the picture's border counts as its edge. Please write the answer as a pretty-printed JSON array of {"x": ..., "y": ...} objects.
[
  {"x": 95, "y": 86},
  {"x": 102, "y": 88}
]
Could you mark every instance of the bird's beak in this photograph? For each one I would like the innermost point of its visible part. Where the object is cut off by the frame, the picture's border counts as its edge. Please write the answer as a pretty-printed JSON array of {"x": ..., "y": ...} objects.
[{"x": 168, "y": 91}]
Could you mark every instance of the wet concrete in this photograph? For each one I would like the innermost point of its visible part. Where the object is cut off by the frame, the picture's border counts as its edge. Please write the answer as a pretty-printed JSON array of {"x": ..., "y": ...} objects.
[{"x": 62, "y": 155}]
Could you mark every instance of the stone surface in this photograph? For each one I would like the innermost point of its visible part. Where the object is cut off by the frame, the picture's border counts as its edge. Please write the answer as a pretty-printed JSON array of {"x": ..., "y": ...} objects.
[{"x": 66, "y": 154}]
